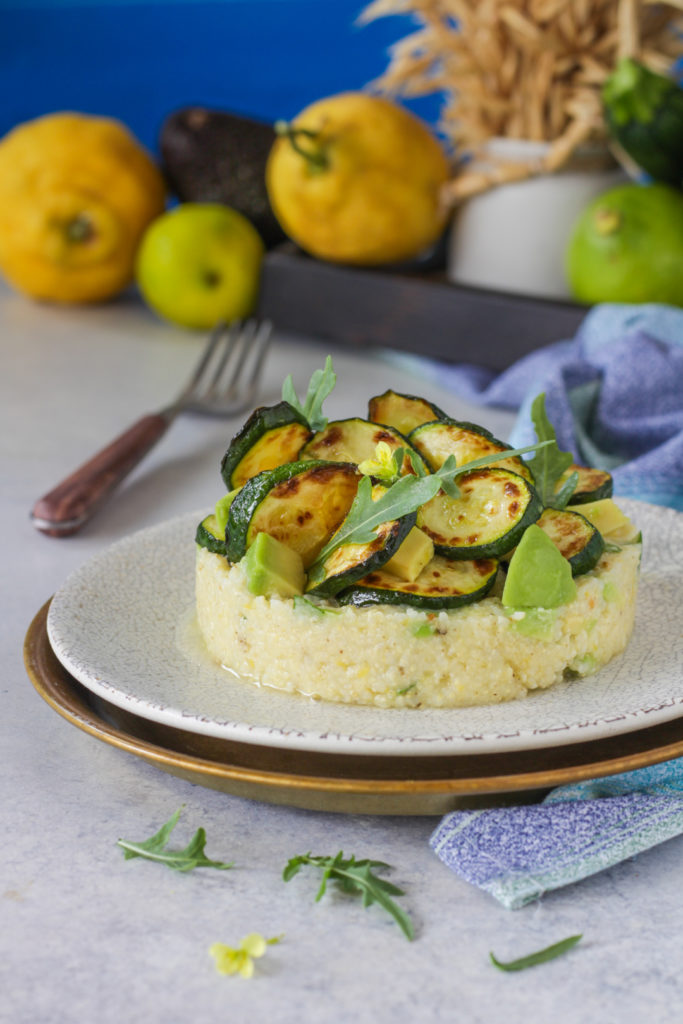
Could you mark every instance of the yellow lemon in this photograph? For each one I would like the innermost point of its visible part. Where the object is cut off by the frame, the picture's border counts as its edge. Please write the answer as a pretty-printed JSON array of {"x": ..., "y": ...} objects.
[
  {"x": 76, "y": 194},
  {"x": 357, "y": 179}
]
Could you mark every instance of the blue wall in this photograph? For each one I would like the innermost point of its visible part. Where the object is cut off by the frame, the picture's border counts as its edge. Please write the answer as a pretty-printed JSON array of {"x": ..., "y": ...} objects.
[{"x": 139, "y": 61}]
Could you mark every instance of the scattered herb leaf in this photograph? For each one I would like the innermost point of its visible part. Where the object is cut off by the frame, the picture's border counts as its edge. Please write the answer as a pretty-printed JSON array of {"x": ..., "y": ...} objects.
[
  {"x": 179, "y": 860},
  {"x": 303, "y": 604},
  {"x": 611, "y": 548},
  {"x": 321, "y": 384},
  {"x": 404, "y": 496},
  {"x": 540, "y": 957},
  {"x": 549, "y": 464},
  {"x": 241, "y": 960},
  {"x": 356, "y": 878},
  {"x": 406, "y": 689},
  {"x": 423, "y": 629}
]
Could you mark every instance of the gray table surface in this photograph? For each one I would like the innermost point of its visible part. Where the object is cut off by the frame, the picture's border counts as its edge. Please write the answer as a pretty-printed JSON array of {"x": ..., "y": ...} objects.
[{"x": 87, "y": 936}]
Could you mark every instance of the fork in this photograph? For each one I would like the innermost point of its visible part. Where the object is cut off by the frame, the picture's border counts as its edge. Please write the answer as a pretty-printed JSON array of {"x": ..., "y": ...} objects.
[{"x": 223, "y": 383}]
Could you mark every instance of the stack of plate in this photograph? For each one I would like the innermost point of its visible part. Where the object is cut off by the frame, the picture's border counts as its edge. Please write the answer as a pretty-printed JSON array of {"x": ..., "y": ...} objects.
[{"x": 116, "y": 653}]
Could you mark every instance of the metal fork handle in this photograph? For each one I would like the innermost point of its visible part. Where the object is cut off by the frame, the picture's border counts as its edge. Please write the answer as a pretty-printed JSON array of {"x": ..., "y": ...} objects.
[{"x": 63, "y": 510}]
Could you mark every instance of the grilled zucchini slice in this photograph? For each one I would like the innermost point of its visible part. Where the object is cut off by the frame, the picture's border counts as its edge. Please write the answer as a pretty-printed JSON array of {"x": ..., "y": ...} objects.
[
  {"x": 209, "y": 536},
  {"x": 404, "y": 412},
  {"x": 350, "y": 562},
  {"x": 576, "y": 538},
  {"x": 301, "y": 504},
  {"x": 272, "y": 436},
  {"x": 441, "y": 584},
  {"x": 466, "y": 441},
  {"x": 355, "y": 440},
  {"x": 593, "y": 484},
  {"x": 487, "y": 520}
]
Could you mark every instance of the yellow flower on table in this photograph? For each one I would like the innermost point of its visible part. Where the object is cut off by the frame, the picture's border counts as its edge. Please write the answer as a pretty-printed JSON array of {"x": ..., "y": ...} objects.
[{"x": 241, "y": 960}]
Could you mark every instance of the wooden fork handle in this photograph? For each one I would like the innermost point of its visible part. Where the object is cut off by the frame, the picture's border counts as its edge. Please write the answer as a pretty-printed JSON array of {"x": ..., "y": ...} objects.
[{"x": 72, "y": 502}]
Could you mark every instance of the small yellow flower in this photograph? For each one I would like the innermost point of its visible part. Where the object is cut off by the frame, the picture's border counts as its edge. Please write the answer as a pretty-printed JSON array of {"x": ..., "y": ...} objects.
[
  {"x": 383, "y": 466},
  {"x": 241, "y": 960}
]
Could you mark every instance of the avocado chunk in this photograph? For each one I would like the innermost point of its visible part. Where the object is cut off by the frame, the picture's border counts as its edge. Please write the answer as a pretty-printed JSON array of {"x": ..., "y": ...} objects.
[
  {"x": 608, "y": 518},
  {"x": 412, "y": 556},
  {"x": 273, "y": 568},
  {"x": 222, "y": 508},
  {"x": 538, "y": 575}
]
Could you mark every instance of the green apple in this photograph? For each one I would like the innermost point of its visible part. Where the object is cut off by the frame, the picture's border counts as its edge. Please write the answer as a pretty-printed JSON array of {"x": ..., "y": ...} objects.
[{"x": 200, "y": 263}]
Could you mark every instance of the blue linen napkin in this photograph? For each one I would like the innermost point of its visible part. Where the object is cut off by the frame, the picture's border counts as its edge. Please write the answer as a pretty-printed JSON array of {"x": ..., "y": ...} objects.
[
  {"x": 615, "y": 396},
  {"x": 518, "y": 853}
]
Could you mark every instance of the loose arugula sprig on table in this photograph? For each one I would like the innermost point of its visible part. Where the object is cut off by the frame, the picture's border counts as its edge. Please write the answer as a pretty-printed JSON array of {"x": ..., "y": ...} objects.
[
  {"x": 191, "y": 857},
  {"x": 321, "y": 384},
  {"x": 407, "y": 494},
  {"x": 356, "y": 878},
  {"x": 541, "y": 956},
  {"x": 549, "y": 463}
]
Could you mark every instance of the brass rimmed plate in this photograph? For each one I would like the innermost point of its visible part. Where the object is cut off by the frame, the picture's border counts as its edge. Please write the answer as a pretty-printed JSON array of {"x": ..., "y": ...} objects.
[{"x": 347, "y": 783}]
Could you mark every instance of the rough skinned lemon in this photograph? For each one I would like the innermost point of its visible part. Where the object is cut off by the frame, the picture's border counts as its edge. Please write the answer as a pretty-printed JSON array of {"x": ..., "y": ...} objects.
[
  {"x": 76, "y": 194},
  {"x": 357, "y": 179}
]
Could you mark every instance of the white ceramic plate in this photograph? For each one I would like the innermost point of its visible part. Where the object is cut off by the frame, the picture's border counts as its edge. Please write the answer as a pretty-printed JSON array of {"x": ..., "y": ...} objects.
[{"x": 121, "y": 626}]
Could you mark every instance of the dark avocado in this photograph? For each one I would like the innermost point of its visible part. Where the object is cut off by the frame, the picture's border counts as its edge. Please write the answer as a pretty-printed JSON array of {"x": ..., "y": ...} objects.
[{"x": 214, "y": 156}]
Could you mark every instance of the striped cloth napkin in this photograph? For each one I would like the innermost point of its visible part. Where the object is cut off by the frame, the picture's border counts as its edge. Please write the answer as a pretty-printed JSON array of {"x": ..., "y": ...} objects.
[
  {"x": 614, "y": 393},
  {"x": 518, "y": 853}
]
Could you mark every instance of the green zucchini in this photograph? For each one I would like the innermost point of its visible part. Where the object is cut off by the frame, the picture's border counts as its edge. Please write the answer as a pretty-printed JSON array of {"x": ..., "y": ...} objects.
[
  {"x": 487, "y": 520},
  {"x": 355, "y": 440},
  {"x": 441, "y": 584},
  {"x": 574, "y": 536},
  {"x": 644, "y": 113},
  {"x": 272, "y": 436},
  {"x": 301, "y": 504},
  {"x": 466, "y": 441},
  {"x": 592, "y": 485},
  {"x": 350, "y": 562},
  {"x": 208, "y": 535},
  {"x": 404, "y": 412}
]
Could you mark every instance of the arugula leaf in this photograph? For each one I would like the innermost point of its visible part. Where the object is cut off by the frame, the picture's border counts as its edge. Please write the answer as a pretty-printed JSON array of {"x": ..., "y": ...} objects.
[
  {"x": 179, "y": 860},
  {"x": 550, "y": 463},
  {"x": 308, "y": 607},
  {"x": 407, "y": 495},
  {"x": 321, "y": 384},
  {"x": 356, "y": 878},
  {"x": 540, "y": 957}
]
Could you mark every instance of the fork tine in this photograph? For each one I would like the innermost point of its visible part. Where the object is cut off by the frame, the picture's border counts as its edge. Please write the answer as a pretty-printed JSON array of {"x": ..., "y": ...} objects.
[
  {"x": 239, "y": 362},
  {"x": 260, "y": 345},
  {"x": 205, "y": 359},
  {"x": 239, "y": 343},
  {"x": 230, "y": 336}
]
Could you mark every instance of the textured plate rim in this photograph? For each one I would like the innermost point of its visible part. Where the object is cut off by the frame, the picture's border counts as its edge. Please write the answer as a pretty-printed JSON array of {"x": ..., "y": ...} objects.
[{"x": 445, "y": 742}]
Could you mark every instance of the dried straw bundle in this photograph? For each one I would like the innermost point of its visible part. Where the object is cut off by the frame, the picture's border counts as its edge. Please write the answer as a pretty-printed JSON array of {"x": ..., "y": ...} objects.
[{"x": 529, "y": 69}]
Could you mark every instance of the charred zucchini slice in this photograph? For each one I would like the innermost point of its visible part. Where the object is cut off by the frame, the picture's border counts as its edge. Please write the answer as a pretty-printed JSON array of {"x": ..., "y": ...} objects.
[
  {"x": 403, "y": 412},
  {"x": 301, "y": 504},
  {"x": 208, "y": 535},
  {"x": 593, "y": 484},
  {"x": 487, "y": 520},
  {"x": 272, "y": 436},
  {"x": 355, "y": 440},
  {"x": 350, "y": 562},
  {"x": 466, "y": 441},
  {"x": 576, "y": 538},
  {"x": 441, "y": 584}
]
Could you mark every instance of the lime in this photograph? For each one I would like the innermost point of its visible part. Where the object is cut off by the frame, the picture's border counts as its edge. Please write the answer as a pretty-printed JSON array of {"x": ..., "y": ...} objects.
[
  {"x": 200, "y": 263},
  {"x": 627, "y": 246}
]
